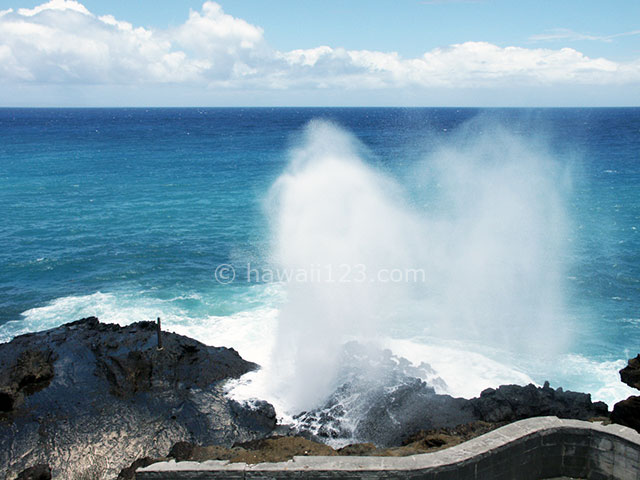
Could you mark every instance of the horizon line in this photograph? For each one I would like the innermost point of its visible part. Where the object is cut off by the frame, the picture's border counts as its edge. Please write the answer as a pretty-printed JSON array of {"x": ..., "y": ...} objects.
[{"x": 78, "y": 107}]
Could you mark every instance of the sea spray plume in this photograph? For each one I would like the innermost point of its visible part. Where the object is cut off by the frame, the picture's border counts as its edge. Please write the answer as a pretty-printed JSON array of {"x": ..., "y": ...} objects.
[
  {"x": 486, "y": 225},
  {"x": 333, "y": 213},
  {"x": 496, "y": 205}
]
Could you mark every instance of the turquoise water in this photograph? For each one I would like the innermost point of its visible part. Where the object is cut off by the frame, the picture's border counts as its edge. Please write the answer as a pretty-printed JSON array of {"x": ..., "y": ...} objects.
[{"x": 127, "y": 213}]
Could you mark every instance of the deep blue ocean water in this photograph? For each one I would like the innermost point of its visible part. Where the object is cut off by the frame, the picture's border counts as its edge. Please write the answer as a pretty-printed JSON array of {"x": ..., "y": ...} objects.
[{"x": 126, "y": 213}]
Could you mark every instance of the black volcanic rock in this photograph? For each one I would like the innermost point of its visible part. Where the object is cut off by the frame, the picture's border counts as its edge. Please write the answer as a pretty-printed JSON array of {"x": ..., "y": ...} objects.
[
  {"x": 631, "y": 373},
  {"x": 37, "y": 472},
  {"x": 30, "y": 371},
  {"x": 509, "y": 403},
  {"x": 627, "y": 412},
  {"x": 407, "y": 409},
  {"x": 414, "y": 406},
  {"x": 383, "y": 399},
  {"x": 181, "y": 451},
  {"x": 255, "y": 415},
  {"x": 89, "y": 397},
  {"x": 129, "y": 473},
  {"x": 379, "y": 396}
]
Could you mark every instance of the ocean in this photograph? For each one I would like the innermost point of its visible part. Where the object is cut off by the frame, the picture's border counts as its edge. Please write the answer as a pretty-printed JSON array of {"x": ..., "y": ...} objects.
[{"x": 496, "y": 245}]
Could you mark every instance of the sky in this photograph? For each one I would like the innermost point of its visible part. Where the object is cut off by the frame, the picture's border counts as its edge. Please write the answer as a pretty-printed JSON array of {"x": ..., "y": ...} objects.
[{"x": 320, "y": 53}]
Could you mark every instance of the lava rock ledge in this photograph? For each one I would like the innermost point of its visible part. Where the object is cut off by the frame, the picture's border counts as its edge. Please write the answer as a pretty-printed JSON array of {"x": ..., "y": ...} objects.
[{"x": 88, "y": 398}]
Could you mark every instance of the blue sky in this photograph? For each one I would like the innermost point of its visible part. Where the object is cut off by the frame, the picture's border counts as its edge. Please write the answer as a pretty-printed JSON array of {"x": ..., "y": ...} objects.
[{"x": 259, "y": 52}]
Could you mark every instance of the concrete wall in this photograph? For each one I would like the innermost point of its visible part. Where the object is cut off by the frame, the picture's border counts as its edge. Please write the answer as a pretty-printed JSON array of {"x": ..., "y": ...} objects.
[{"x": 532, "y": 449}]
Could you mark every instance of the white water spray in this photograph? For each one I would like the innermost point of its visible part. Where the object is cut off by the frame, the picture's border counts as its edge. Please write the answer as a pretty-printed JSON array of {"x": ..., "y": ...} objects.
[
  {"x": 488, "y": 233},
  {"x": 333, "y": 214}
]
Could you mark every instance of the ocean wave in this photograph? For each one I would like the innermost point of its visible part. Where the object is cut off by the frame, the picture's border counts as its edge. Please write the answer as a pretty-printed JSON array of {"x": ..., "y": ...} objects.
[{"x": 253, "y": 332}]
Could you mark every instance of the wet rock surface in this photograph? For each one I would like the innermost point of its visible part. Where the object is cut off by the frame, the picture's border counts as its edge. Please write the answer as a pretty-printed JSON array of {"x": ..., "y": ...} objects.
[
  {"x": 509, "y": 403},
  {"x": 29, "y": 372},
  {"x": 386, "y": 407},
  {"x": 37, "y": 472},
  {"x": 415, "y": 406},
  {"x": 631, "y": 373},
  {"x": 89, "y": 398},
  {"x": 627, "y": 412},
  {"x": 409, "y": 408},
  {"x": 379, "y": 395}
]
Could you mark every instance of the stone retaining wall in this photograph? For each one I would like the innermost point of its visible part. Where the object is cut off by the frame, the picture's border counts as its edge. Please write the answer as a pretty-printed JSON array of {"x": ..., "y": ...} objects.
[{"x": 531, "y": 449}]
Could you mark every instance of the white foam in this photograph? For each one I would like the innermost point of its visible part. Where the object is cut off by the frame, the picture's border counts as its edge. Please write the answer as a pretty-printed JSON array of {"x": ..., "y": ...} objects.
[
  {"x": 110, "y": 308},
  {"x": 250, "y": 332},
  {"x": 601, "y": 378},
  {"x": 466, "y": 373}
]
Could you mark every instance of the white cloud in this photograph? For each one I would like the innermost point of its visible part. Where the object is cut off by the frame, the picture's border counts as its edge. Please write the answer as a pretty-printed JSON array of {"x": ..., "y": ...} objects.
[
  {"x": 469, "y": 64},
  {"x": 572, "y": 36},
  {"x": 10, "y": 68},
  {"x": 55, "y": 5},
  {"x": 213, "y": 30},
  {"x": 61, "y": 42}
]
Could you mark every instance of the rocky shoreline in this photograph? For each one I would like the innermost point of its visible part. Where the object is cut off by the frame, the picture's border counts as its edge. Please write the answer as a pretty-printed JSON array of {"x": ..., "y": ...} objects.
[{"x": 89, "y": 400}]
